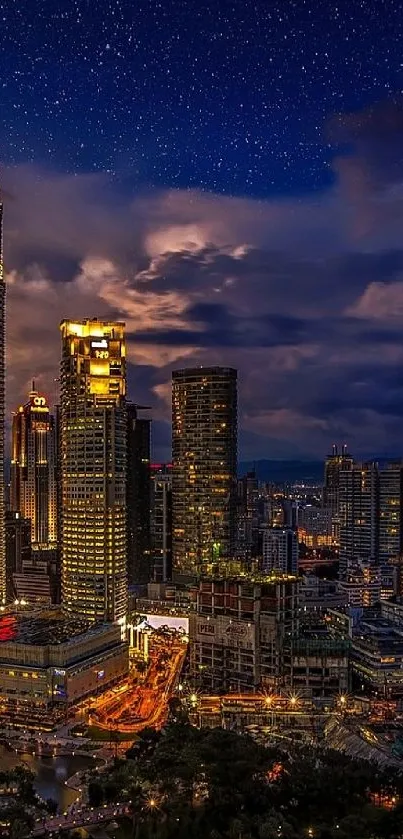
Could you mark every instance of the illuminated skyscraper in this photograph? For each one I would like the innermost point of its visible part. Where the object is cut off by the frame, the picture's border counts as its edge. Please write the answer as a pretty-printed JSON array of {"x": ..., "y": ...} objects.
[
  {"x": 2, "y": 410},
  {"x": 93, "y": 468},
  {"x": 334, "y": 464},
  {"x": 204, "y": 449},
  {"x": 33, "y": 469}
]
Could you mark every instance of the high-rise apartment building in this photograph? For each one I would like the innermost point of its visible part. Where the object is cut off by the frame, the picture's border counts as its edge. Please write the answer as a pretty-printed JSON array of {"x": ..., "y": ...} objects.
[
  {"x": 161, "y": 522},
  {"x": 334, "y": 464},
  {"x": 33, "y": 469},
  {"x": 371, "y": 513},
  {"x": 358, "y": 499},
  {"x": 138, "y": 500},
  {"x": 204, "y": 449},
  {"x": 390, "y": 512},
  {"x": 93, "y": 433},
  {"x": 2, "y": 413}
]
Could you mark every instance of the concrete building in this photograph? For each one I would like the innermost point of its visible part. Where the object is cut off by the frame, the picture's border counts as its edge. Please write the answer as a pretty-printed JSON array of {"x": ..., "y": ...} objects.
[
  {"x": 318, "y": 665},
  {"x": 3, "y": 568},
  {"x": 161, "y": 522},
  {"x": 238, "y": 632},
  {"x": 280, "y": 550},
  {"x": 138, "y": 495},
  {"x": 204, "y": 450},
  {"x": 50, "y": 662},
  {"x": 93, "y": 432}
]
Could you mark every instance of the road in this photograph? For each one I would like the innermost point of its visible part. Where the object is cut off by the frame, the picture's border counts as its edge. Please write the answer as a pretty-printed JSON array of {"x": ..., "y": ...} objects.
[
  {"x": 80, "y": 817},
  {"x": 137, "y": 705}
]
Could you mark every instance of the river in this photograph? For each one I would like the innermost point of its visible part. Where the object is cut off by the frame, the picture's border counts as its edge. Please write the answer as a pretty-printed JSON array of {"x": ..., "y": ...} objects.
[{"x": 51, "y": 773}]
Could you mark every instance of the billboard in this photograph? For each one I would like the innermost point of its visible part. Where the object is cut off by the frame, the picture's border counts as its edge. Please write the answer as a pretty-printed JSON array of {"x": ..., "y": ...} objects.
[
  {"x": 172, "y": 621},
  {"x": 225, "y": 631}
]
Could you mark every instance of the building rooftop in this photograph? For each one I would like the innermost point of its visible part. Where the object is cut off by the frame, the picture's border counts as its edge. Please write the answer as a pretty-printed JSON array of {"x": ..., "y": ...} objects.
[{"x": 45, "y": 628}]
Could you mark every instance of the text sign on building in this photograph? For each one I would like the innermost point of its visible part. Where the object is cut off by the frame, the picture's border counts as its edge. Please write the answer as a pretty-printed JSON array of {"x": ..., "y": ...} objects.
[{"x": 205, "y": 629}]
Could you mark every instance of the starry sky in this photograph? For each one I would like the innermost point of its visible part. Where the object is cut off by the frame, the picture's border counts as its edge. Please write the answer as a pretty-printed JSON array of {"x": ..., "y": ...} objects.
[{"x": 227, "y": 178}]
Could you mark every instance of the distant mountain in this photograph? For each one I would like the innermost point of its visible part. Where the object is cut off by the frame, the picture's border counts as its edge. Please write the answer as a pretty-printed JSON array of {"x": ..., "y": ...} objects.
[{"x": 284, "y": 471}]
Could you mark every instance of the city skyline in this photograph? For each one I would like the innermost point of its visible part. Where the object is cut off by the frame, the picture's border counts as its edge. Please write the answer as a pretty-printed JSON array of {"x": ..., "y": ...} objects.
[{"x": 245, "y": 211}]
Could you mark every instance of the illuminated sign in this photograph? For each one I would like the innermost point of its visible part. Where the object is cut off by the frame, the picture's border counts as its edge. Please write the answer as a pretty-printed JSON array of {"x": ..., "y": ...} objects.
[
  {"x": 38, "y": 402},
  {"x": 100, "y": 345},
  {"x": 59, "y": 672}
]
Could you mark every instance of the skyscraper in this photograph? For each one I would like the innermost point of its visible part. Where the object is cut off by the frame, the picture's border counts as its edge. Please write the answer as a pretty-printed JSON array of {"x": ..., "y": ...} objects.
[
  {"x": 161, "y": 522},
  {"x": 280, "y": 550},
  {"x": 359, "y": 517},
  {"x": 93, "y": 437},
  {"x": 334, "y": 463},
  {"x": 2, "y": 412},
  {"x": 204, "y": 449},
  {"x": 33, "y": 469},
  {"x": 138, "y": 496}
]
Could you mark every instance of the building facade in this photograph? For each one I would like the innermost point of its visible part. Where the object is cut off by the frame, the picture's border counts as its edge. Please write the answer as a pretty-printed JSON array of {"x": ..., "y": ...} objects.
[
  {"x": 161, "y": 522},
  {"x": 50, "y": 663},
  {"x": 204, "y": 450},
  {"x": 2, "y": 416},
  {"x": 138, "y": 496},
  {"x": 238, "y": 632},
  {"x": 358, "y": 515},
  {"x": 93, "y": 434},
  {"x": 280, "y": 550}
]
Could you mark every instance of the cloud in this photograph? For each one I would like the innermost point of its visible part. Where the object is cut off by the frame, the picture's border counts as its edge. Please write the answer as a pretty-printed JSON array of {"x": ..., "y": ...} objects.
[{"x": 304, "y": 296}]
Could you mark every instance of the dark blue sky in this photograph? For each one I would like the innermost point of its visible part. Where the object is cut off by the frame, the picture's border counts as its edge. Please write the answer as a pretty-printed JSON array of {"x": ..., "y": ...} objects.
[
  {"x": 227, "y": 177},
  {"x": 225, "y": 96}
]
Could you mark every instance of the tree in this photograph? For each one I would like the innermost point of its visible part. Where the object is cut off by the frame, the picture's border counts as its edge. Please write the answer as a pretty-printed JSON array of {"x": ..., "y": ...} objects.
[{"x": 95, "y": 793}]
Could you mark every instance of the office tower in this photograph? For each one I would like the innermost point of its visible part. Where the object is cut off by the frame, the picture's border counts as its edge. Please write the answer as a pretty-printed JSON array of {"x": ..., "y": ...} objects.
[
  {"x": 138, "y": 500},
  {"x": 93, "y": 436},
  {"x": 390, "y": 532},
  {"x": 33, "y": 468},
  {"x": 18, "y": 548},
  {"x": 247, "y": 516},
  {"x": 358, "y": 499},
  {"x": 204, "y": 449},
  {"x": 33, "y": 494},
  {"x": 2, "y": 412},
  {"x": 280, "y": 550},
  {"x": 334, "y": 463},
  {"x": 161, "y": 522}
]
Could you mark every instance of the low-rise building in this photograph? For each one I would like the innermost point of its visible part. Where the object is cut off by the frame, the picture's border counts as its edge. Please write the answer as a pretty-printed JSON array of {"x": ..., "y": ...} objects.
[
  {"x": 318, "y": 666},
  {"x": 377, "y": 655},
  {"x": 50, "y": 661}
]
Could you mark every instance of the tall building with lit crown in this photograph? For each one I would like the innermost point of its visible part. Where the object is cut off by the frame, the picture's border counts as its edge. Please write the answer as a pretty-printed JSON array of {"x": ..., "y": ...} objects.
[
  {"x": 33, "y": 468},
  {"x": 2, "y": 412},
  {"x": 204, "y": 450},
  {"x": 93, "y": 468}
]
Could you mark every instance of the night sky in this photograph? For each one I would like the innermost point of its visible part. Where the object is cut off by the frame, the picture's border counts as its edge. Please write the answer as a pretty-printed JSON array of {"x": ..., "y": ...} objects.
[{"x": 227, "y": 178}]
